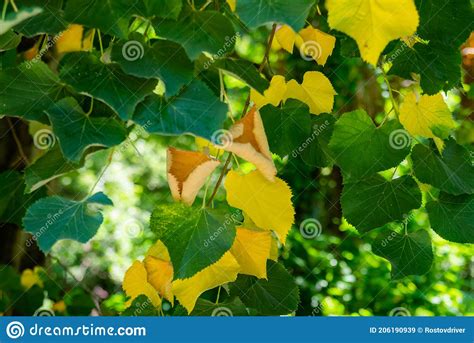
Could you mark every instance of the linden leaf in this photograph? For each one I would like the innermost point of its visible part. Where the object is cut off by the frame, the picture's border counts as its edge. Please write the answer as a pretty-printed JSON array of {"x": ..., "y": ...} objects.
[
  {"x": 285, "y": 36},
  {"x": 249, "y": 141},
  {"x": 279, "y": 295},
  {"x": 273, "y": 95},
  {"x": 160, "y": 276},
  {"x": 194, "y": 237},
  {"x": 452, "y": 217},
  {"x": 316, "y": 44},
  {"x": 54, "y": 218},
  {"x": 428, "y": 117},
  {"x": 316, "y": 91},
  {"x": 187, "y": 291},
  {"x": 450, "y": 171},
  {"x": 372, "y": 23},
  {"x": 409, "y": 254},
  {"x": 187, "y": 173},
  {"x": 251, "y": 249},
  {"x": 135, "y": 283},
  {"x": 267, "y": 203}
]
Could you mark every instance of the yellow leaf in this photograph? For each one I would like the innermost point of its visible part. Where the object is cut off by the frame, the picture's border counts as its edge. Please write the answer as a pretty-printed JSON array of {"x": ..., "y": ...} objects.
[
  {"x": 316, "y": 91},
  {"x": 267, "y": 203},
  {"x": 231, "y": 4},
  {"x": 70, "y": 39},
  {"x": 135, "y": 283},
  {"x": 160, "y": 276},
  {"x": 273, "y": 95},
  {"x": 429, "y": 113},
  {"x": 223, "y": 271},
  {"x": 159, "y": 250},
  {"x": 251, "y": 249},
  {"x": 316, "y": 44},
  {"x": 274, "y": 250},
  {"x": 249, "y": 141},
  {"x": 29, "y": 278},
  {"x": 187, "y": 173},
  {"x": 373, "y": 23},
  {"x": 285, "y": 36}
]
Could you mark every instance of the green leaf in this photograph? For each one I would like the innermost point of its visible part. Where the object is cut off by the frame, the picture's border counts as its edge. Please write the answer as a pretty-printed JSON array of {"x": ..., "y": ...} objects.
[
  {"x": 106, "y": 82},
  {"x": 13, "y": 200},
  {"x": 362, "y": 149},
  {"x": 141, "y": 306},
  {"x": 446, "y": 24},
  {"x": 287, "y": 126},
  {"x": 169, "y": 9},
  {"x": 54, "y": 218},
  {"x": 77, "y": 131},
  {"x": 449, "y": 22},
  {"x": 46, "y": 168},
  {"x": 452, "y": 217},
  {"x": 409, "y": 254},
  {"x": 50, "y": 21},
  {"x": 373, "y": 202},
  {"x": 195, "y": 238},
  {"x": 199, "y": 31},
  {"x": 242, "y": 70},
  {"x": 164, "y": 60},
  {"x": 437, "y": 65},
  {"x": 255, "y": 13},
  {"x": 229, "y": 308},
  {"x": 315, "y": 150},
  {"x": 278, "y": 295},
  {"x": 9, "y": 40},
  {"x": 110, "y": 16},
  {"x": 14, "y": 18},
  {"x": 196, "y": 111},
  {"x": 27, "y": 90},
  {"x": 451, "y": 172}
]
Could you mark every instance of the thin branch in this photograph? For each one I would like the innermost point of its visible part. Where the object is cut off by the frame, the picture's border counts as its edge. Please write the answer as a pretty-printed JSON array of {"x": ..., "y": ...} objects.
[{"x": 18, "y": 142}]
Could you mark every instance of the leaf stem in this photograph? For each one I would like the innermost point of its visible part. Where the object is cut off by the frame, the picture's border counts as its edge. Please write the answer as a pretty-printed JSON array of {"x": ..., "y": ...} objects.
[
  {"x": 221, "y": 177},
  {"x": 18, "y": 142},
  {"x": 218, "y": 294},
  {"x": 4, "y": 11},
  {"x": 109, "y": 161},
  {"x": 100, "y": 43},
  {"x": 12, "y": 2}
]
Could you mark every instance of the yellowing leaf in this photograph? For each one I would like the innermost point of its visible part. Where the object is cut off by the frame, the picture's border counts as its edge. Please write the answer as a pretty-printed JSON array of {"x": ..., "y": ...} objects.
[
  {"x": 274, "y": 250},
  {"x": 29, "y": 278},
  {"x": 316, "y": 44},
  {"x": 267, "y": 203},
  {"x": 273, "y": 95},
  {"x": 429, "y": 113},
  {"x": 285, "y": 37},
  {"x": 160, "y": 276},
  {"x": 135, "y": 283},
  {"x": 70, "y": 39},
  {"x": 223, "y": 271},
  {"x": 187, "y": 173},
  {"x": 251, "y": 249},
  {"x": 373, "y": 23},
  {"x": 316, "y": 91},
  {"x": 249, "y": 141},
  {"x": 159, "y": 250}
]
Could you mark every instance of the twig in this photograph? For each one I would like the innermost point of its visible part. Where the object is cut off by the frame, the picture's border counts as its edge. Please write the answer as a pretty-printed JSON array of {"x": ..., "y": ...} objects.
[{"x": 18, "y": 143}]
